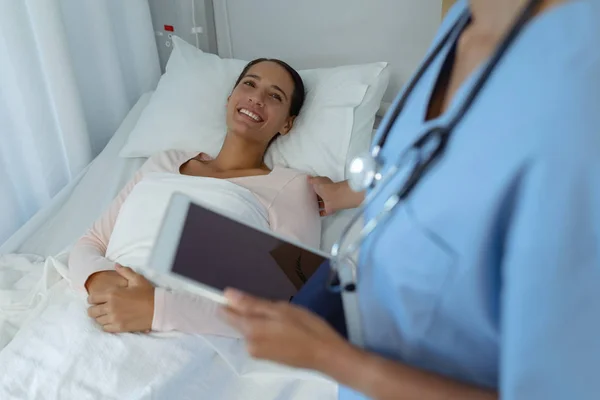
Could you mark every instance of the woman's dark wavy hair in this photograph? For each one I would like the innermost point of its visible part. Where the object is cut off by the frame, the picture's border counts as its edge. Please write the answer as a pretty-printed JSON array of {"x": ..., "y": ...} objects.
[{"x": 299, "y": 93}]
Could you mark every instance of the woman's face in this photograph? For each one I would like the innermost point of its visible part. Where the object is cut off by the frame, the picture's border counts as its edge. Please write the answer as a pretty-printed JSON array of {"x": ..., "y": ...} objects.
[{"x": 259, "y": 105}]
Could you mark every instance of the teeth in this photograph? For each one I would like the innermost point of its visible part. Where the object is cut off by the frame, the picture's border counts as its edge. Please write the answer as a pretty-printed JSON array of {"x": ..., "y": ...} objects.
[{"x": 251, "y": 115}]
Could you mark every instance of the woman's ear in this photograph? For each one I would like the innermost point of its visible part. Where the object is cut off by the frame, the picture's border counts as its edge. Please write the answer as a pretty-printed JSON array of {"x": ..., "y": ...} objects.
[{"x": 289, "y": 124}]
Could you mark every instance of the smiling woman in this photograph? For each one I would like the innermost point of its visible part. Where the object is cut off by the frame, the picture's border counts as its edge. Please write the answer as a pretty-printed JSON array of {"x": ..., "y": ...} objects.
[
  {"x": 263, "y": 104},
  {"x": 266, "y": 99}
]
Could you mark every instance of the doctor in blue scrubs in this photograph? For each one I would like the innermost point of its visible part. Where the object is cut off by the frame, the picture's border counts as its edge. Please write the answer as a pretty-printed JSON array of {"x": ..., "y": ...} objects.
[{"x": 484, "y": 279}]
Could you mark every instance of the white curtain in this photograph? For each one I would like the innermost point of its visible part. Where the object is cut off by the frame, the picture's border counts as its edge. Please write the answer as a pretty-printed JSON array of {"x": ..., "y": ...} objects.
[{"x": 70, "y": 70}]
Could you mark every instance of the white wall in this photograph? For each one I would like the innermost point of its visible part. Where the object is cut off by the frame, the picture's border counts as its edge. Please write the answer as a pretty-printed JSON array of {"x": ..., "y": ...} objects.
[{"x": 322, "y": 33}]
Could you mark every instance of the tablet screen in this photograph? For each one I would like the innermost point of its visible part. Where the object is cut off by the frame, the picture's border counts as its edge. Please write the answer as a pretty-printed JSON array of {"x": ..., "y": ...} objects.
[{"x": 220, "y": 252}]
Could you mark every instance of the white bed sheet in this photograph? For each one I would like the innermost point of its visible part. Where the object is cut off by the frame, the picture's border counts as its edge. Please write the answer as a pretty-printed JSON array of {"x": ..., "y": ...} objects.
[{"x": 38, "y": 285}]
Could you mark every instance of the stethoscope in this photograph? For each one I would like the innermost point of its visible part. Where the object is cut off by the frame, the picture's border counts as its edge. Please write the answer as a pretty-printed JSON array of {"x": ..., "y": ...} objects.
[{"x": 365, "y": 172}]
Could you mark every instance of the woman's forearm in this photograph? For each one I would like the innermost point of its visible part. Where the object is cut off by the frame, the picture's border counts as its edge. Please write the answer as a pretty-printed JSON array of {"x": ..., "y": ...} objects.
[
  {"x": 86, "y": 259},
  {"x": 383, "y": 379}
]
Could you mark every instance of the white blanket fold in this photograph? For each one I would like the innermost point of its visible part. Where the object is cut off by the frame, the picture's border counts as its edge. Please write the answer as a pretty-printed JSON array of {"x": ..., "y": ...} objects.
[{"x": 141, "y": 215}]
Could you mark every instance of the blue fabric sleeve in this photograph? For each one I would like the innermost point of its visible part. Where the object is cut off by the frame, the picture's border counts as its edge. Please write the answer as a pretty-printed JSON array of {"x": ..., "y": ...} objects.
[{"x": 550, "y": 302}]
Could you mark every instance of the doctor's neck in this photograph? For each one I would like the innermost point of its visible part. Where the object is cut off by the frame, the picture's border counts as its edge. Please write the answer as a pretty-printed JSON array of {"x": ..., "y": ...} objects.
[{"x": 495, "y": 17}]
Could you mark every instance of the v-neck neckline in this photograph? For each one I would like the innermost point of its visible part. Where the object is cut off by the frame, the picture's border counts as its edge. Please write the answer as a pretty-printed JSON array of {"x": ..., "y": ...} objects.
[
  {"x": 207, "y": 158},
  {"x": 439, "y": 67}
]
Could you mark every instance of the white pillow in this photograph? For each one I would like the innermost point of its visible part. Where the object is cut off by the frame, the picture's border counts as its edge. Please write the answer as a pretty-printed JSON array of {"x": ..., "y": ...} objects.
[
  {"x": 366, "y": 113},
  {"x": 187, "y": 112}
]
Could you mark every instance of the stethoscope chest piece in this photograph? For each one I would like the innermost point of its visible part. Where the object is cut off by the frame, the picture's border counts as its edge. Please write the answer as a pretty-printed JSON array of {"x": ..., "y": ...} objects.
[{"x": 362, "y": 172}]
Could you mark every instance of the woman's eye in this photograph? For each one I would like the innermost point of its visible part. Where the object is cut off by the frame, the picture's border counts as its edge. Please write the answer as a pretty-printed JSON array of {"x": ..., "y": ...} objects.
[
  {"x": 276, "y": 97},
  {"x": 249, "y": 83}
]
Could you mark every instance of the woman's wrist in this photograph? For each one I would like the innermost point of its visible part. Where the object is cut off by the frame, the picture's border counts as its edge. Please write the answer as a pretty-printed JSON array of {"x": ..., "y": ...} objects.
[
  {"x": 353, "y": 367},
  {"x": 158, "y": 314},
  {"x": 348, "y": 198},
  {"x": 339, "y": 362}
]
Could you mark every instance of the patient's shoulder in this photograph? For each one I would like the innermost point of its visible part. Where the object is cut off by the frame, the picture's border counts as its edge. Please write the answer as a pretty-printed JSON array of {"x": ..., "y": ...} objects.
[
  {"x": 294, "y": 190},
  {"x": 167, "y": 161},
  {"x": 290, "y": 179}
]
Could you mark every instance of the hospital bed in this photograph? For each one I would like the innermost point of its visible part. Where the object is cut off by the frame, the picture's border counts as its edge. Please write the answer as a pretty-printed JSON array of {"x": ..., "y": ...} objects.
[{"x": 33, "y": 327}]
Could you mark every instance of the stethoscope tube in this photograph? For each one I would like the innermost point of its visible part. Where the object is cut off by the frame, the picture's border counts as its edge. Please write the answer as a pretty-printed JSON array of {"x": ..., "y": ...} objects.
[
  {"x": 379, "y": 182},
  {"x": 518, "y": 26}
]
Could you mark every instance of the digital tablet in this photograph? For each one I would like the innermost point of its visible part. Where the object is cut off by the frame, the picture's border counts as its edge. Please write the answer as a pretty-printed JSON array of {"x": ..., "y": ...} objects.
[{"x": 206, "y": 252}]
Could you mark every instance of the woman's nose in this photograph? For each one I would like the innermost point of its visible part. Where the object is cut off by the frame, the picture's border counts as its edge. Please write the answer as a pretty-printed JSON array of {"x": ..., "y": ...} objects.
[{"x": 256, "y": 100}]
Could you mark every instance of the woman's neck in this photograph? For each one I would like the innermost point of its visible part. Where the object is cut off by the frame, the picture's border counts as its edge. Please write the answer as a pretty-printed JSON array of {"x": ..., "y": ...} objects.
[
  {"x": 239, "y": 154},
  {"x": 495, "y": 17}
]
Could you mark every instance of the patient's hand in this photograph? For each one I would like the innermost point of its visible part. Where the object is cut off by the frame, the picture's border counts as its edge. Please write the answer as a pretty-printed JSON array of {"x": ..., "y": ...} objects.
[
  {"x": 103, "y": 281},
  {"x": 333, "y": 197},
  {"x": 127, "y": 308}
]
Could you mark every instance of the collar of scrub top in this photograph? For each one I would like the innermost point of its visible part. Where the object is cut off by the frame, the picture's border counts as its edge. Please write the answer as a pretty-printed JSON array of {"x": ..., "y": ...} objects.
[{"x": 365, "y": 171}]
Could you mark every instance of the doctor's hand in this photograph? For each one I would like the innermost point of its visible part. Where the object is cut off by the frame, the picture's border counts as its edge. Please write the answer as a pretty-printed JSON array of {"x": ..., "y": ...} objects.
[
  {"x": 281, "y": 332},
  {"x": 333, "y": 197},
  {"x": 124, "y": 309}
]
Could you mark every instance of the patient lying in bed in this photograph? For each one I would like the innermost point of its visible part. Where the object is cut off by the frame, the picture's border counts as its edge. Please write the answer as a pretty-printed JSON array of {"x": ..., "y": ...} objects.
[{"x": 263, "y": 105}]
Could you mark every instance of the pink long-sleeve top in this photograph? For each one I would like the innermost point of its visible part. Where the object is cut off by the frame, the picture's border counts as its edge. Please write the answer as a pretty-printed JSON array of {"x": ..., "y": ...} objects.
[{"x": 292, "y": 211}]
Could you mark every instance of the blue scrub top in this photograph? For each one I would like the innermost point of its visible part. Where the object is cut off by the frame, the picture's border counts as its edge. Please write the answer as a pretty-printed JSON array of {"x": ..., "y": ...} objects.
[{"x": 490, "y": 273}]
